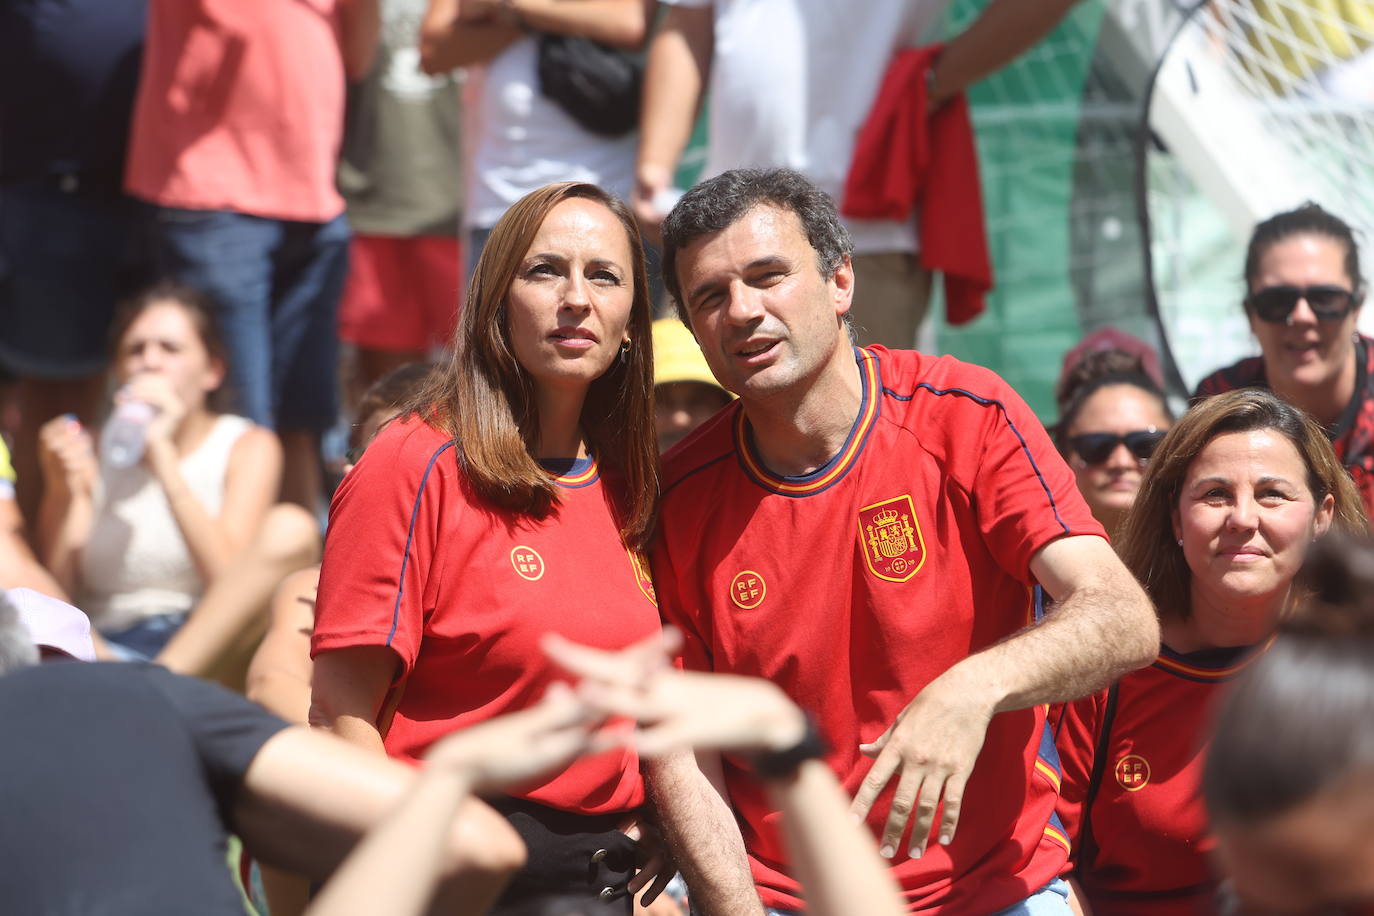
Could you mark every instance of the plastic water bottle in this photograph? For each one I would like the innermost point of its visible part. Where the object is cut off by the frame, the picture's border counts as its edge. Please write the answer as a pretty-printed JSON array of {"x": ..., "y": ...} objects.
[{"x": 123, "y": 438}]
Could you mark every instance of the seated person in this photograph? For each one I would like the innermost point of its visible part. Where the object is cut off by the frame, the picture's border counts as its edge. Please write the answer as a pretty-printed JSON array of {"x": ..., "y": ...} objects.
[
  {"x": 134, "y": 538},
  {"x": 204, "y": 763},
  {"x": 686, "y": 394}
]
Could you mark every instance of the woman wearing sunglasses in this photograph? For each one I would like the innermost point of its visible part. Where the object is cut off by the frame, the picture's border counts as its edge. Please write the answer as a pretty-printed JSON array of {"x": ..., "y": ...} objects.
[
  {"x": 1112, "y": 415},
  {"x": 1228, "y": 508},
  {"x": 1303, "y": 296}
]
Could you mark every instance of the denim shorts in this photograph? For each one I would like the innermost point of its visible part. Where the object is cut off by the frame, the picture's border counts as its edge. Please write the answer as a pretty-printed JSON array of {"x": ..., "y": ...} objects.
[
  {"x": 68, "y": 255},
  {"x": 276, "y": 286},
  {"x": 144, "y": 640},
  {"x": 1050, "y": 900}
]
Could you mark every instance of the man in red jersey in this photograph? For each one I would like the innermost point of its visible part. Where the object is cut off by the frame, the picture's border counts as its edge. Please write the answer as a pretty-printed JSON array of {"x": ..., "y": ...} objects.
[{"x": 872, "y": 530}]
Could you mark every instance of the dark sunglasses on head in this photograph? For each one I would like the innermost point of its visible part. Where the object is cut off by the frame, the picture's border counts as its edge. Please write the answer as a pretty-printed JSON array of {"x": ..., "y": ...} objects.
[
  {"x": 1276, "y": 303},
  {"x": 1095, "y": 448}
]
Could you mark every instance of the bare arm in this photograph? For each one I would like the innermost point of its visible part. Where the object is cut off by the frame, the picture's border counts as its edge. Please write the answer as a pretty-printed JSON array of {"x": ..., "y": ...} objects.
[
  {"x": 307, "y": 797},
  {"x": 250, "y": 486},
  {"x": 19, "y": 568},
  {"x": 279, "y": 677},
  {"x": 360, "y": 26},
  {"x": 1102, "y": 627},
  {"x": 836, "y": 860},
  {"x": 679, "y": 65},
  {"x": 347, "y": 692},
  {"x": 66, "y": 455},
  {"x": 702, "y": 833},
  {"x": 448, "y": 40},
  {"x": 395, "y": 869},
  {"x": 620, "y": 23},
  {"x": 998, "y": 36},
  {"x": 833, "y": 856},
  {"x": 228, "y": 620}
]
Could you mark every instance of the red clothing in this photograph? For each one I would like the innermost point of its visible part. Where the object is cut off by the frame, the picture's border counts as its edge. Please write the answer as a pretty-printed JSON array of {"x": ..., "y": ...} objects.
[
  {"x": 908, "y": 158},
  {"x": 854, "y": 587},
  {"x": 463, "y": 591},
  {"x": 1142, "y": 847},
  {"x": 240, "y": 107}
]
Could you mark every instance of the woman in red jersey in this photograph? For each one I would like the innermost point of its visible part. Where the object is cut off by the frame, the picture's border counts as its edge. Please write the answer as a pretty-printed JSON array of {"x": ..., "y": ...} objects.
[
  {"x": 1228, "y": 507},
  {"x": 511, "y": 501}
]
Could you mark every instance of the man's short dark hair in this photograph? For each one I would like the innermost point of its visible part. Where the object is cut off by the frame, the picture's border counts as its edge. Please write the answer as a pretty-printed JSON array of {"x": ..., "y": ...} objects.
[{"x": 719, "y": 202}]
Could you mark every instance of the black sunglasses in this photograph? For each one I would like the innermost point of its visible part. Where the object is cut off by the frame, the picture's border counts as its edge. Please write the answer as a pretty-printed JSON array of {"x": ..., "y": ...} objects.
[
  {"x": 1276, "y": 303},
  {"x": 1095, "y": 448}
]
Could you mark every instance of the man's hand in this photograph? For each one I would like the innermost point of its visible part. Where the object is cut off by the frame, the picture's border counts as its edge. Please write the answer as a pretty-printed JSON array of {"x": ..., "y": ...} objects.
[{"x": 932, "y": 748}]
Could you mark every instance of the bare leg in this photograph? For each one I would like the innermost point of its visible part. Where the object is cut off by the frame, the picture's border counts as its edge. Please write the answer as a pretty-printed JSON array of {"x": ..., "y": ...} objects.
[
  {"x": 219, "y": 637},
  {"x": 302, "y": 482}
]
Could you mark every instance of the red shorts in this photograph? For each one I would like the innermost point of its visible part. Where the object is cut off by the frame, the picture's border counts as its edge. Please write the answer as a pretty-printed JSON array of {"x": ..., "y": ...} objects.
[{"x": 402, "y": 293}]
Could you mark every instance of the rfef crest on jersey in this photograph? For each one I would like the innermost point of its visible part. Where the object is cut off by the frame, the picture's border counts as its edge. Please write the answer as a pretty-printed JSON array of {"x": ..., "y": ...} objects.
[
  {"x": 527, "y": 562},
  {"x": 1133, "y": 772},
  {"x": 890, "y": 537},
  {"x": 640, "y": 565},
  {"x": 747, "y": 590}
]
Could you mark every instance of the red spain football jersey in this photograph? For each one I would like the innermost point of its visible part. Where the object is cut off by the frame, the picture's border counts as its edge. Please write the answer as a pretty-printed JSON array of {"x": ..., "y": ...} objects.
[
  {"x": 1141, "y": 848},
  {"x": 855, "y": 586},
  {"x": 462, "y": 592}
]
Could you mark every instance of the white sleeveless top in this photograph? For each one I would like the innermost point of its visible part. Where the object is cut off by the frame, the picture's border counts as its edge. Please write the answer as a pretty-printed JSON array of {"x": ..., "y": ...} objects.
[{"x": 136, "y": 564}]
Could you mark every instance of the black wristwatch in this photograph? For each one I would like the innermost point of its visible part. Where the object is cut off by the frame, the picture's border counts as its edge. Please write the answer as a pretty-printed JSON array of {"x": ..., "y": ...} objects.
[{"x": 777, "y": 764}]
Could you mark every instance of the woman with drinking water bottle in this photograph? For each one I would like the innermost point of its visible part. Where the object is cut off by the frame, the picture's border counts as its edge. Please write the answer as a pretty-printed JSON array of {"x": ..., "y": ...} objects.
[{"x": 137, "y": 528}]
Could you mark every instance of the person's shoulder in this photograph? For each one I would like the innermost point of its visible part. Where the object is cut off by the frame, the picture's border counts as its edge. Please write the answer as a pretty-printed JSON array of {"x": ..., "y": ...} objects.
[
  {"x": 409, "y": 438},
  {"x": 703, "y": 448},
  {"x": 910, "y": 376},
  {"x": 1245, "y": 373},
  {"x": 251, "y": 443}
]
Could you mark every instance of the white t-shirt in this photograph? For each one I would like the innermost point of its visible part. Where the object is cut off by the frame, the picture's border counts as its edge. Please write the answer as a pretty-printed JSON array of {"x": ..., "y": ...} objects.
[
  {"x": 792, "y": 82},
  {"x": 518, "y": 140}
]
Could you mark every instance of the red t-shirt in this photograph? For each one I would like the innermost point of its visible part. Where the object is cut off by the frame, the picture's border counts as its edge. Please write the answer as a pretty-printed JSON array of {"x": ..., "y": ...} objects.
[
  {"x": 855, "y": 586},
  {"x": 1142, "y": 847},
  {"x": 462, "y": 592}
]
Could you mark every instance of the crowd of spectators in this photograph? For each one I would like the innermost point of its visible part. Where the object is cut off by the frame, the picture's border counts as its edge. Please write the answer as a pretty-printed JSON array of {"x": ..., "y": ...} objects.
[{"x": 868, "y": 639}]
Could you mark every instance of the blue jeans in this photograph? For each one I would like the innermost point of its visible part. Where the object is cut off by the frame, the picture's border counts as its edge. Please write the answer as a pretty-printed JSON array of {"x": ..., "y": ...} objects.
[
  {"x": 275, "y": 285},
  {"x": 1050, "y": 900}
]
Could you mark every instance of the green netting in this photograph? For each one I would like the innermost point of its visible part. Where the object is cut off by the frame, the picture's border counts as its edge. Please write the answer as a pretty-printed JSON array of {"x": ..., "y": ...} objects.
[{"x": 1027, "y": 120}]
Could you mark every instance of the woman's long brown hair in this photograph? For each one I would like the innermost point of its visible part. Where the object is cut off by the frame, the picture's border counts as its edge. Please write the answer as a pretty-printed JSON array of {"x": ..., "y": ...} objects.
[{"x": 484, "y": 398}]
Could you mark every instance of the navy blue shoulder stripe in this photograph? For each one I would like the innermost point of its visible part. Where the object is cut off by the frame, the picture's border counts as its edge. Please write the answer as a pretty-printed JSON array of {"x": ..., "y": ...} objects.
[
  {"x": 993, "y": 402},
  {"x": 696, "y": 470},
  {"x": 410, "y": 537}
]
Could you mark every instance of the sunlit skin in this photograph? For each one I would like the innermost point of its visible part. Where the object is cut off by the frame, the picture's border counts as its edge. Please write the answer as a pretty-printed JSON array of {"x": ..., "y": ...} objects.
[
  {"x": 1316, "y": 858},
  {"x": 1246, "y": 518},
  {"x": 163, "y": 341},
  {"x": 568, "y": 310},
  {"x": 680, "y": 407},
  {"x": 1309, "y": 363},
  {"x": 768, "y": 323},
  {"x": 1109, "y": 488}
]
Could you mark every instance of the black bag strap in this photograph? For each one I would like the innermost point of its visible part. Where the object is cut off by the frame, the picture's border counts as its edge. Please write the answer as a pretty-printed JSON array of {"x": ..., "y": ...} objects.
[{"x": 1088, "y": 848}]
